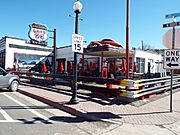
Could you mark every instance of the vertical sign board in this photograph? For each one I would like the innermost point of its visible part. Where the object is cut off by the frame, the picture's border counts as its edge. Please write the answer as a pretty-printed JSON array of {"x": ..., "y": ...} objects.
[
  {"x": 77, "y": 43},
  {"x": 172, "y": 59}
]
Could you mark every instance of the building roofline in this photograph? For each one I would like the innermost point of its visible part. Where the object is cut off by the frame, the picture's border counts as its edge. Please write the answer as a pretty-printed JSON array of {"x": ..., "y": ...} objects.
[
  {"x": 64, "y": 46},
  {"x": 12, "y": 37},
  {"x": 25, "y": 40}
]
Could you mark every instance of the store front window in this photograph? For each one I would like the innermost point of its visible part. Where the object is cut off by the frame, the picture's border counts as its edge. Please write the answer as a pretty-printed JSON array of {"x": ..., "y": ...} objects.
[
  {"x": 141, "y": 65},
  {"x": 2, "y": 59},
  {"x": 29, "y": 61}
]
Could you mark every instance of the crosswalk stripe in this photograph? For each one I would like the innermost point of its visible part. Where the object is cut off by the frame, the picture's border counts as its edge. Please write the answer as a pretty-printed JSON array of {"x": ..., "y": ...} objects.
[
  {"x": 29, "y": 109},
  {"x": 5, "y": 115}
]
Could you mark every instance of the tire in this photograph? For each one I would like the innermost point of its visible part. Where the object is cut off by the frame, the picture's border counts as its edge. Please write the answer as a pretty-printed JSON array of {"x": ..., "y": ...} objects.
[{"x": 14, "y": 86}]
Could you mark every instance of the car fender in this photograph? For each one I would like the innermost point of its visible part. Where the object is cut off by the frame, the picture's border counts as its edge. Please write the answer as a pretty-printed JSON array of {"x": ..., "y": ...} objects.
[{"x": 12, "y": 79}]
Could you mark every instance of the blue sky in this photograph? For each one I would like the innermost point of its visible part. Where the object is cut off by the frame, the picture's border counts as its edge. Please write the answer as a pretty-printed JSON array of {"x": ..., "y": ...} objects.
[{"x": 101, "y": 19}]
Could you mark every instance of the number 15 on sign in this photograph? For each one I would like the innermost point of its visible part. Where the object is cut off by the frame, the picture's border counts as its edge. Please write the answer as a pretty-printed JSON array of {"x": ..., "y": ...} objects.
[{"x": 77, "y": 43}]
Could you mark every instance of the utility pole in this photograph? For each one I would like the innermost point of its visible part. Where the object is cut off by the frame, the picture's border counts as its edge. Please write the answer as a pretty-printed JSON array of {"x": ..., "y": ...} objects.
[{"x": 142, "y": 46}]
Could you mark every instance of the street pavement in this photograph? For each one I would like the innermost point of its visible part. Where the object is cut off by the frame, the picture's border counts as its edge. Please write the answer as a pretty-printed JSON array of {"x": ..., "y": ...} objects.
[{"x": 153, "y": 116}]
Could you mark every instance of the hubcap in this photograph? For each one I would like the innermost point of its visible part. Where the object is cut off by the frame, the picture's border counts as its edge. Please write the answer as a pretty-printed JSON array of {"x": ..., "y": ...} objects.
[{"x": 14, "y": 86}]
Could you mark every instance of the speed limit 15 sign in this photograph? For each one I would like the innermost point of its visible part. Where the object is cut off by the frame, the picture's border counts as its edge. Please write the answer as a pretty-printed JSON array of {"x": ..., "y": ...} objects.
[{"x": 77, "y": 43}]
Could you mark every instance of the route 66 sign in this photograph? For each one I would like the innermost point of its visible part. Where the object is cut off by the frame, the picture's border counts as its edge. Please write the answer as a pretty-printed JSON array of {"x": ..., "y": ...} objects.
[
  {"x": 38, "y": 32},
  {"x": 77, "y": 43}
]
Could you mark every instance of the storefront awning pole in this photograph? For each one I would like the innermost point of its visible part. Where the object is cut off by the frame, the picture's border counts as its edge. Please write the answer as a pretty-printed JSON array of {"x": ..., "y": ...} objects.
[
  {"x": 127, "y": 39},
  {"x": 82, "y": 62},
  {"x": 102, "y": 64}
]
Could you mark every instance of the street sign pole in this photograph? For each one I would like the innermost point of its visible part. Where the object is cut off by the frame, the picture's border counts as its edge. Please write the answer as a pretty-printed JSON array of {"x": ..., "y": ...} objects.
[
  {"x": 174, "y": 15},
  {"x": 173, "y": 35},
  {"x": 171, "y": 90},
  {"x": 173, "y": 46}
]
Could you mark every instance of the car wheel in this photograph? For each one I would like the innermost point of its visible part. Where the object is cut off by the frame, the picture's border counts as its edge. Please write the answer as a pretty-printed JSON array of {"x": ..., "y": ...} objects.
[{"x": 14, "y": 85}]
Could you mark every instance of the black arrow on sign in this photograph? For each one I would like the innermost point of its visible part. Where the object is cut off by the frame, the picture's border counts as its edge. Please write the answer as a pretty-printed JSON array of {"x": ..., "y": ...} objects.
[{"x": 174, "y": 65}]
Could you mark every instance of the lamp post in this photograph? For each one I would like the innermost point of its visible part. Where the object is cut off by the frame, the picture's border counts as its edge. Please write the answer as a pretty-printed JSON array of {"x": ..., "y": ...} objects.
[
  {"x": 127, "y": 38},
  {"x": 54, "y": 51},
  {"x": 77, "y": 9}
]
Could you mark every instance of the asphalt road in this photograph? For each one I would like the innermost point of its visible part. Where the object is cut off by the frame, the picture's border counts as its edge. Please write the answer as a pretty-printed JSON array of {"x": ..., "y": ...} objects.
[{"x": 22, "y": 115}]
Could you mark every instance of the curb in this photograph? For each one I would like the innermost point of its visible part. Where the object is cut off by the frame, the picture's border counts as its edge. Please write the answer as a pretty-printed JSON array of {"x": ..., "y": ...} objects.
[
  {"x": 71, "y": 109},
  {"x": 62, "y": 106}
]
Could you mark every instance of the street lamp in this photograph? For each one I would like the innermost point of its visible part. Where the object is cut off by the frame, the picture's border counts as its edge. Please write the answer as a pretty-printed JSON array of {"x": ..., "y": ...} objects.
[
  {"x": 127, "y": 38},
  {"x": 77, "y": 9},
  {"x": 54, "y": 51}
]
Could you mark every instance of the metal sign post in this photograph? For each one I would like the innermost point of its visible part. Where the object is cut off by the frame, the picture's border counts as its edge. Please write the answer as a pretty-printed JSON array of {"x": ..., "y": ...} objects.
[
  {"x": 173, "y": 41},
  {"x": 173, "y": 24}
]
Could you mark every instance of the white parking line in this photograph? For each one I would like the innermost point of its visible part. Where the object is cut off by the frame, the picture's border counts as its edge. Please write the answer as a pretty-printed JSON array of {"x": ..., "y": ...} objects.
[{"x": 29, "y": 109}]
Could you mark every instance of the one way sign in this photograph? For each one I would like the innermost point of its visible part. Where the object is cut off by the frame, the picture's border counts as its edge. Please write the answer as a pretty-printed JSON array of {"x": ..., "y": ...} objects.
[{"x": 172, "y": 59}]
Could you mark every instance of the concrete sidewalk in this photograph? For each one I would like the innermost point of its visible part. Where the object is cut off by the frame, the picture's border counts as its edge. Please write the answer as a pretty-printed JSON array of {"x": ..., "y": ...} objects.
[{"x": 94, "y": 108}]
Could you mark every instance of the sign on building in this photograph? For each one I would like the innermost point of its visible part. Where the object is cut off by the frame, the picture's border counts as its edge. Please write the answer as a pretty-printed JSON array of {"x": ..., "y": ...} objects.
[
  {"x": 38, "y": 34},
  {"x": 172, "y": 59},
  {"x": 77, "y": 43}
]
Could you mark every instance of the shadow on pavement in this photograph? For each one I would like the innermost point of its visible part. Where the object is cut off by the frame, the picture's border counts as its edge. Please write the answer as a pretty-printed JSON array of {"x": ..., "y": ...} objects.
[
  {"x": 53, "y": 119},
  {"x": 82, "y": 95},
  {"x": 98, "y": 115},
  {"x": 34, "y": 121},
  {"x": 104, "y": 115},
  {"x": 67, "y": 119}
]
